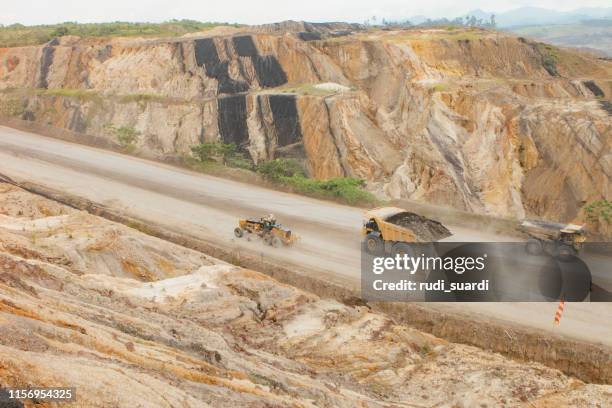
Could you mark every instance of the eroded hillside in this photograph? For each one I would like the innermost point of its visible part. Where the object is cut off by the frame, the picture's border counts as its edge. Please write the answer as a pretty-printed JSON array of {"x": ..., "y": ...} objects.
[
  {"x": 478, "y": 120},
  {"x": 85, "y": 302}
]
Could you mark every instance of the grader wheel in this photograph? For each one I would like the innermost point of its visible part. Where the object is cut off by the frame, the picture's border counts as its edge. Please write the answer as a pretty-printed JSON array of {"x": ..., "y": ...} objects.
[
  {"x": 276, "y": 242},
  {"x": 238, "y": 232}
]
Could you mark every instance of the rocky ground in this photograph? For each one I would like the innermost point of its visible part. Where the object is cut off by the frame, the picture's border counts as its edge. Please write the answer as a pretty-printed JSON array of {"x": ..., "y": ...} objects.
[{"x": 131, "y": 320}]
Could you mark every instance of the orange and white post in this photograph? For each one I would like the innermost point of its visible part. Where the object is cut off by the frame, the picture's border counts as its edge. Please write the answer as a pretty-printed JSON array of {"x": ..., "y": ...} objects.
[{"x": 559, "y": 312}]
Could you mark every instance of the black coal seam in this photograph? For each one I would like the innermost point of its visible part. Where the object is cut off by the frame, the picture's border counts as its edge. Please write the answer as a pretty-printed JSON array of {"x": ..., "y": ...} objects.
[
  {"x": 46, "y": 59},
  {"x": 244, "y": 46},
  {"x": 606, "y": 106},
  {"x": 269, "y": 71},
  {"x": 270, "y": 74},
  {"x": 308, "y": 36},
  {"x": 345, "y": 172},
  {"x": 232, "y": 120},
  {"x": 207, "y": 56},
  {"x": 286, "y": 120},
  {"x": 592, "y": 86}
]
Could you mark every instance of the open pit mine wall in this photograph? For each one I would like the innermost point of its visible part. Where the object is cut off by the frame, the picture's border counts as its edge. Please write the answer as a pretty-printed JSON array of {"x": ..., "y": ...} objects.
[{"x": 481, "y": 125}]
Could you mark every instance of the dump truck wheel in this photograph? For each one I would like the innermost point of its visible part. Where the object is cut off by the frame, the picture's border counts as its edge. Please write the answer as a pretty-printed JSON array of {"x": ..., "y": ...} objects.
[
  {"x": 401, "y": 248},
  {"x": 533, "y": 247},
  {"x": 238, "y": 232},
  {"x": 373, "y": 244},
  {"x": 276, "y": 242},
  {"x": 566, "y": 252},
  {"x": 551, "y": 248},
  {"x": 267, "y": 239}
]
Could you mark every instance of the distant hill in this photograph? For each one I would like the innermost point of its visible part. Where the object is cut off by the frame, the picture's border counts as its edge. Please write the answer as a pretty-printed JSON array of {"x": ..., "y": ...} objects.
[
  {"x": 530, "y": 16},
  {"x": 595, "y": 35},
  {"x": 587, "y": 28}
]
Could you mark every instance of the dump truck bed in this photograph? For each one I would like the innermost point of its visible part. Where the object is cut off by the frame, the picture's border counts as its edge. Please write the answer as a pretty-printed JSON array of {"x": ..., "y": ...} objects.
[
  {"x": 548, "y": 230},
  {"x": 397, "y": 224}
]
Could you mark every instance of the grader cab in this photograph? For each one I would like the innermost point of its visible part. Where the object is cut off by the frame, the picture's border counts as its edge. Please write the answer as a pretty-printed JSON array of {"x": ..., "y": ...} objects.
[{"x": 267, "y": 229}]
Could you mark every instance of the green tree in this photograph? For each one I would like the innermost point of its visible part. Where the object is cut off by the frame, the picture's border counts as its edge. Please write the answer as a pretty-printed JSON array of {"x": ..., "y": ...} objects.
[
  {"x": 126, "y": 135},
  {"x": 225, "y": 153},
  {"x": 278, "y": 168}
]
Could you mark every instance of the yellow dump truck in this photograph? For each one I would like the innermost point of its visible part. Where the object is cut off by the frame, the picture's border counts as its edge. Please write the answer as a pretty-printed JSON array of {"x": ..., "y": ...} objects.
[
  {"x": 558, "y": 240},
  {"x": 392, "y": 229}
]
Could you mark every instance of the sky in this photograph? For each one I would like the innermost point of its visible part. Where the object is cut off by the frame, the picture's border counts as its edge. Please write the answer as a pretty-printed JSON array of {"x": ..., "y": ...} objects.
[{"x": 31, "y": 12}]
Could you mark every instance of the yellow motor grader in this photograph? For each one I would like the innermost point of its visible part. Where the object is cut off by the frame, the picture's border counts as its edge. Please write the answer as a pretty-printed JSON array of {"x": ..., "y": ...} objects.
[{"x": 267, "y": 229}]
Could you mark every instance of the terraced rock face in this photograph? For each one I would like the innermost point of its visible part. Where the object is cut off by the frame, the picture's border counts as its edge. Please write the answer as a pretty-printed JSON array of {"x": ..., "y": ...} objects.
[
  {"x": 131, "y": 320},
  {"x": 472, "y": 119}
]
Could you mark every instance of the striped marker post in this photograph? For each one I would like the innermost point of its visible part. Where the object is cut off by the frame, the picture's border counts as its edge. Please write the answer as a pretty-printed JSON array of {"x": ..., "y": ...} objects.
[{"x": 559, "y": 312}]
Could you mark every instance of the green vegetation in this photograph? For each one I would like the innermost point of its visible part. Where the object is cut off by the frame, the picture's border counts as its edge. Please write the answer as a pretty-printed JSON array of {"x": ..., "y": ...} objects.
[
  {"x": 213, "y": 157},
  {"x": 289, "y": 172},
  {"x": 125, "y": 135},
  {"x": 599, "y": 210},
  {"x": 305, "y": 89},
  {"x": 344, "y": 189},
  {"x": 454, "y": 34},
  {"x": 19, "y": 35},
  {"x": 92, "y": 95},
  {"x": 223, "y": 153},
  {"x": 278, "y": 169},
  {"x": 550, "y": 58},
  {"x": 82, "y": 94},
  {"x": 440, "y": 87}
]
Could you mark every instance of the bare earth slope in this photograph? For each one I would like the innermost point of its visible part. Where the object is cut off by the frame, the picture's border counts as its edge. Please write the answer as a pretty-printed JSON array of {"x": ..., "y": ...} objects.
[
  {"x": 474, "y": 119},
  {"x": 85, "y": 302}
]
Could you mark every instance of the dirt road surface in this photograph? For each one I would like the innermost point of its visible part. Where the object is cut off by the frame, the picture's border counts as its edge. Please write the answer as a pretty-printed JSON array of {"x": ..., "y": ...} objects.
[{"x": 208, "y": 207}]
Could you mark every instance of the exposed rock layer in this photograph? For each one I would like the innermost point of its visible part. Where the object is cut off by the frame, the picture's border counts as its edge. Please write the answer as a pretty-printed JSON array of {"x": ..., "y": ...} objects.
[{"x": 473, "y": 119}]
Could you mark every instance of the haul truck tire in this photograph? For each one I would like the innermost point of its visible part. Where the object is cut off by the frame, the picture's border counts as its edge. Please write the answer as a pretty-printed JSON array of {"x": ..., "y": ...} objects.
[
  {"x": 373, "y": 244},
  {"x": 401, "y": 248},
  {"x": 566, "y": 252},
  {"x": 534, "y": 247}
]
